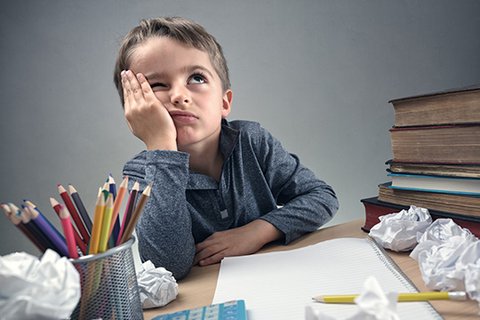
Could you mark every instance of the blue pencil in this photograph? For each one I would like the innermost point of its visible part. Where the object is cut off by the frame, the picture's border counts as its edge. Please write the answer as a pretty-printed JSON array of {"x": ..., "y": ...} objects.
[
  {"x": 116, "y": 228},
  {"x": 26, "y": 219},
  {"x": 33, "y": 206}
]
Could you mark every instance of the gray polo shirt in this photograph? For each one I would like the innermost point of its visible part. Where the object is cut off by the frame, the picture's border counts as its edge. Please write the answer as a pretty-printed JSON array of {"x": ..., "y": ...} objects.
[{"x": 259, "y": 180}]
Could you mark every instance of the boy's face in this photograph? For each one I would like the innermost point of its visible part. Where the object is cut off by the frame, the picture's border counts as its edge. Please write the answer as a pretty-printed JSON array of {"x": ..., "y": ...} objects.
[{"x": 185, "y": 81}]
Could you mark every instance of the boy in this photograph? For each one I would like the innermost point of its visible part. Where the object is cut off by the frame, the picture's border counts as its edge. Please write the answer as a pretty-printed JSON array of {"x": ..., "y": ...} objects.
[{"x": 220, "y": 188}]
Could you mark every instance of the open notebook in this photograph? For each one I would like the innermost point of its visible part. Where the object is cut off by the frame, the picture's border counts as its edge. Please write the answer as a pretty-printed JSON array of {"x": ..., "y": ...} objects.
[{"x": 279, "y": 285}]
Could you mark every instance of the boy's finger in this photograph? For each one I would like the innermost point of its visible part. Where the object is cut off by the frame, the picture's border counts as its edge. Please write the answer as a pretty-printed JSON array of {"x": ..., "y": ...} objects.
[
  {"x": 127, "y": 97},
  {"x": 213, "y": 259},
  {"x": 145, "y": 87},
  {"x": 135, "y": 90}
]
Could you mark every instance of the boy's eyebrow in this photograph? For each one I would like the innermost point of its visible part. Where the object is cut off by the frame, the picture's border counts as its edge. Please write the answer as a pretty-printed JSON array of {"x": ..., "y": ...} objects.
[
  {"x": 189, "y": 69},
  {"x": 186, "y": 69}
]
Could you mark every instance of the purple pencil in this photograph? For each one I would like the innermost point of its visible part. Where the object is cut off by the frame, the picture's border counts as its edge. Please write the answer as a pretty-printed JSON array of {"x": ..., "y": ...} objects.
[{"x": 43, "y": 225}]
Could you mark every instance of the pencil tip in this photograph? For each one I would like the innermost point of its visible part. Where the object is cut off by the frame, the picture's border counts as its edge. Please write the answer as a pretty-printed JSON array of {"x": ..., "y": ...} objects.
[{"x": 53, "y": 202}]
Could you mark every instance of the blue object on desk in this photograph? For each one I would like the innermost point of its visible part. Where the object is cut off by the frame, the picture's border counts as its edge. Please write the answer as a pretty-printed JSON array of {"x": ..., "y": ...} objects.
[{"x": 230, "y": 310}]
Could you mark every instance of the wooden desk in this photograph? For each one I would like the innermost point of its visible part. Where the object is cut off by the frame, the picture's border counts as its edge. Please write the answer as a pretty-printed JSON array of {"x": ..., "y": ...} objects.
[{"x": 198, "y": 288}]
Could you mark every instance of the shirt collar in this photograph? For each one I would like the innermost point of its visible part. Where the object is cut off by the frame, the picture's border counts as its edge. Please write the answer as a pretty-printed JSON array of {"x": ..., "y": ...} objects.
[{"x": 228, "y": 140}]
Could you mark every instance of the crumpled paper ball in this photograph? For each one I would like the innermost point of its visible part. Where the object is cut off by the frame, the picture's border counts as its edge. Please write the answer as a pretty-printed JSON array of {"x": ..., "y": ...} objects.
[
  {"x": 449, "y": 258},
  {"x": 38, "y": 289},
  {"x": 398, "y": 231},
  {"x": 156, "y": 286},
  {"x": 372, "y": 303}
]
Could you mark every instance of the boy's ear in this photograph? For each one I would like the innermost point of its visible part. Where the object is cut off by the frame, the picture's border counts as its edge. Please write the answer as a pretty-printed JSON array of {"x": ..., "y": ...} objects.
[{"x": 227, "y": 103}]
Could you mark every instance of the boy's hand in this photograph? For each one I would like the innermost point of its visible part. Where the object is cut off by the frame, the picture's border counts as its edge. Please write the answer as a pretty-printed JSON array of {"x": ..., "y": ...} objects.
[
  {"x": 147, "y": 117},
  {"x": 235, "y": 242}
]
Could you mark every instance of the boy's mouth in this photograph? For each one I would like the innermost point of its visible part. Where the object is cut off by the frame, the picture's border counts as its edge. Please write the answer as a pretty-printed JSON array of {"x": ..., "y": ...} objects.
[{"x": 183, "y": 117}]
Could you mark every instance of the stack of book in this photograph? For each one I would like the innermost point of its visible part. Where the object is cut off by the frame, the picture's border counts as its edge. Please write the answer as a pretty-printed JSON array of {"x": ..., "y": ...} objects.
[{"x": 436, "y": 158}]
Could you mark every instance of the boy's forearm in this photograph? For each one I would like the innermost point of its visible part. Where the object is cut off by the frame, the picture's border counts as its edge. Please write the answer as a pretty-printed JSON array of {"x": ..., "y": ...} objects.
[
  {"x": 265, "y": 231},
  {"x": 164, "y": 229}
]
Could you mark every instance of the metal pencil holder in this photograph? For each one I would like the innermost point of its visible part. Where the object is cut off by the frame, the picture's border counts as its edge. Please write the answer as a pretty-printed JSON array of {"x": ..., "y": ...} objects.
[{"x": 109, "y": 285}]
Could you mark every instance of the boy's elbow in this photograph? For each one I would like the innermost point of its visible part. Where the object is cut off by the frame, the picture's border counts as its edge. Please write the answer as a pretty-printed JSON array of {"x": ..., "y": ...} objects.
[
  {"x": 181, "y": 272},
  {"x": 329, "y": 202},
  {"x": 178, "y": 265}
]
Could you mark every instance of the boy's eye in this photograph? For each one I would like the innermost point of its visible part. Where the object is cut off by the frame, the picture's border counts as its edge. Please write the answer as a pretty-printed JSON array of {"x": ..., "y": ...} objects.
[
  {"x": 157, "y": 85},
  {"x": 197, "y": 79}
]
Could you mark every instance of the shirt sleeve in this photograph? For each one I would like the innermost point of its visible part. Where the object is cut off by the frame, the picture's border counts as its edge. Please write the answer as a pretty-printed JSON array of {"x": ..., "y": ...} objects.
[
  {"x": 164, "y": 229},
  {"x": 305, "y": 202}
]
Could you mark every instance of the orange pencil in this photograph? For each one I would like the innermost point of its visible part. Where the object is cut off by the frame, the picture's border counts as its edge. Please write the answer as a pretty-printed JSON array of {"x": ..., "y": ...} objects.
[
  {"x": 116, "y": 206},
  {"x": 97, "y": 224},
  {"x": 127, "y": 233},
  {"x": 68, "y": 232}
]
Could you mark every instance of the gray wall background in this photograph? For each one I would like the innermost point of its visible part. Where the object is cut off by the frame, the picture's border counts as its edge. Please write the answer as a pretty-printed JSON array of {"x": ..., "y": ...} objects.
[{"x": 317, "y": 74}]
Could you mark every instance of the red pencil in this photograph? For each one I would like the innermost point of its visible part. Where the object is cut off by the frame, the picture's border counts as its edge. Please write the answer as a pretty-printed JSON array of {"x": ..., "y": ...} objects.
[
  {"x": 68, "y": 232},
  {"x": 76, "y": 217},
  {"x": 83, "y": 247}
]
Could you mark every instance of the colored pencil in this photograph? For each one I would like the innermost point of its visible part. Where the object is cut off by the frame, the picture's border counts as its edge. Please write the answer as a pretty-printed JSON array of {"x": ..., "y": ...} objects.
[
  {"x": 17, "y": 222},
  {"x": 112, "y": 187},
  {"x": 68, "y": 231},
  {"x": 26, "y": 218},
  {"x": 127, "y": 233},
  {"x": 34, "y": 206},
  {"x": 128, "y": 210},
  {"x": 97, "y": 224},
  {"x": 116, "y": 208},
  {"x": 106, "y": 222},
  {"x": 40, "y": 221},
  {"x": 105, "y": 190},
  {"x": 76, "y": 217},
  {"x": 81, "y": 208},
  {"x": 78, "y": 240}
]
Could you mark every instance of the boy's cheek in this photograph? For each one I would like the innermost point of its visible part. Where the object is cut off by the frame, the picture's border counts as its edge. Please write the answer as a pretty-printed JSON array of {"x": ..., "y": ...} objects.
[{"x": 162, "y": 97}]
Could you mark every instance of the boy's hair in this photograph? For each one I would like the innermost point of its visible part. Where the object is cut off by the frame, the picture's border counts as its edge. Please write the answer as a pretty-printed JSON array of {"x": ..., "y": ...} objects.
[{"x": 182, "y": 30}]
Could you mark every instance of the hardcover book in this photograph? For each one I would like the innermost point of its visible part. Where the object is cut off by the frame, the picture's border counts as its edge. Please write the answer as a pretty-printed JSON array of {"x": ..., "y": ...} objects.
[
  {"x": 375, "y": 208},
  {"x": 453, "y": 144},
  {"x": 454, "y": 203},
  {"x": 454, "y": 106},
  {"x": 436, "y": 169},
  {"x": 440, "y": 184}
]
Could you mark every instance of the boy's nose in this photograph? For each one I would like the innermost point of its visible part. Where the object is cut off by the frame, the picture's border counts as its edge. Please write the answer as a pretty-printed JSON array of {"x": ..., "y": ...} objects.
[{"x": 179, "y": 97}]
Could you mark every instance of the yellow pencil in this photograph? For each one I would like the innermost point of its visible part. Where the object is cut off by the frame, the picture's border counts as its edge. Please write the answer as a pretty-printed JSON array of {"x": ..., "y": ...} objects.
[
  {"x": 107, "y": 220},
  {"x": 97, "y": 224},
  {"x": 402, "y": 297}
]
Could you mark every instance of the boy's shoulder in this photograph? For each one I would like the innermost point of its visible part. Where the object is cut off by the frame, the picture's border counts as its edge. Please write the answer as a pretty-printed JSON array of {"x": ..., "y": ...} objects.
[{"x": 243, "y": 125}]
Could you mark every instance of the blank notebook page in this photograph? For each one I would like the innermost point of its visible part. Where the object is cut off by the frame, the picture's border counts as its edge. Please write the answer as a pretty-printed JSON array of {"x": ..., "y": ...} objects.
[{"x": 279, "y": 285}]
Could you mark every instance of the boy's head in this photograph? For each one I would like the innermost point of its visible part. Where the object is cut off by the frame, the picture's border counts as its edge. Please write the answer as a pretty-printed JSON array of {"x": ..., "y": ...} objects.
[{"x": 182, "y": 30}]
